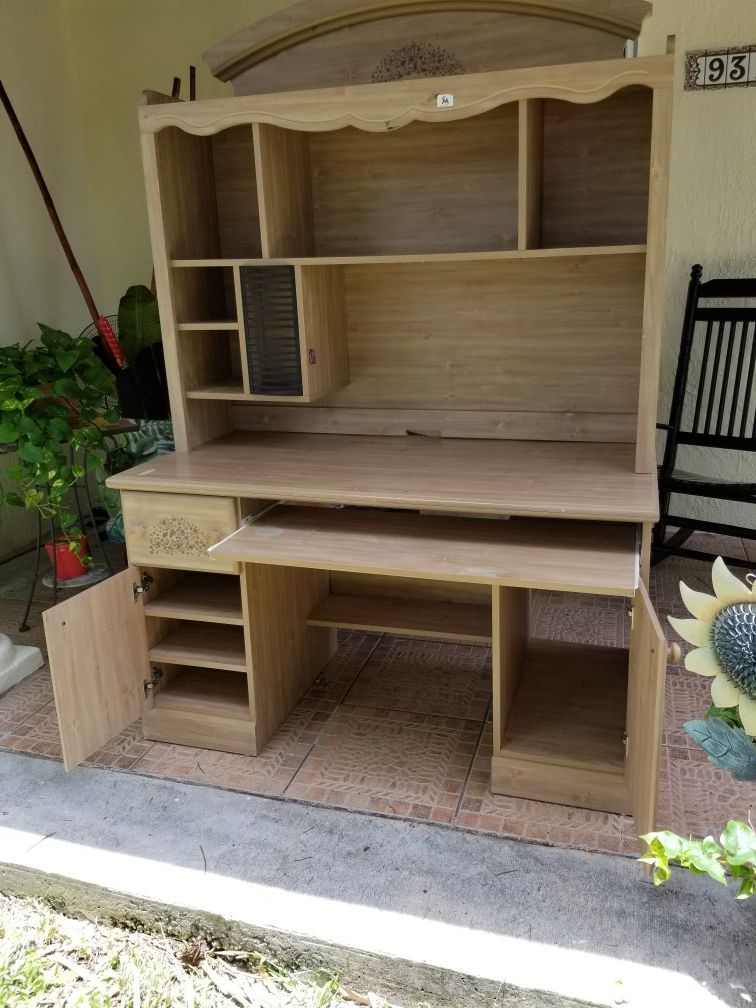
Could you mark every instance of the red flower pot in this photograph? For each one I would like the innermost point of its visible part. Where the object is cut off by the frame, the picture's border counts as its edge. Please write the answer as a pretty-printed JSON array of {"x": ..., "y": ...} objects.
[{"x": 67, "y": 564}]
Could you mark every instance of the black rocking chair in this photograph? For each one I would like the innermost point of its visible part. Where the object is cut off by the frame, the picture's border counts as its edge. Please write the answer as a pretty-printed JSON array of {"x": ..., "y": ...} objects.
[{"x": 713, "y": 406}]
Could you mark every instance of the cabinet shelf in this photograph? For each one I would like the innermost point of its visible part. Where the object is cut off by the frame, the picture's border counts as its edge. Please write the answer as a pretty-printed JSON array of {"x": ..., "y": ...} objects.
[
  {"x": 212, "y": 647},
  {"x": 217, "y": 392},
  {"x": 197, "y": 690},
  {"x": 222, "y": 326},
  {"x": 204, "y": 598},
  {"x": 431, "y": 257},
  {"x": 439, "y": 620}
]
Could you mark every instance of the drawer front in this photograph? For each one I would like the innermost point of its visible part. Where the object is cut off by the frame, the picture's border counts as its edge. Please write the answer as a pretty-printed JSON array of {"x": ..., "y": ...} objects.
[{"x": 175, "y": 530}]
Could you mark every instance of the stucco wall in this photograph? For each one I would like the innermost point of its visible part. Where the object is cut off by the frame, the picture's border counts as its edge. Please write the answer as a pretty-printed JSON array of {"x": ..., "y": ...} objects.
[
  {"x": 712, "y": 215},
  {"x": 75, "y": 70}
]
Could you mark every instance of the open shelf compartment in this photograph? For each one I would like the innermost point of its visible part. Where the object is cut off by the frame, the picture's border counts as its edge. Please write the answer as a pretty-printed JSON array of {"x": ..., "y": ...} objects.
[
  {"x": 205, "y": 645},
  {"x": 202, "y": 598}
]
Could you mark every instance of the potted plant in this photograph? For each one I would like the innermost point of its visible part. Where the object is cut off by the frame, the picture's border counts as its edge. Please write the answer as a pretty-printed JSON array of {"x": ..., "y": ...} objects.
[{"x": 52, "y": 411}]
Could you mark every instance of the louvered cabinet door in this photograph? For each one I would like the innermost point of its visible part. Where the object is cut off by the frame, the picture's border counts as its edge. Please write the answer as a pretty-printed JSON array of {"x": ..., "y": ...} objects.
[
  {"x": 294, "y": 331},
  {"x": 271, "y": 329}
]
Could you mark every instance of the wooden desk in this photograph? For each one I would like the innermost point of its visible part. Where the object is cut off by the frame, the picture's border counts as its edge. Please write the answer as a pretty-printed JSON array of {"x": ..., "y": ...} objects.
[{"x": 533, "y": 478}]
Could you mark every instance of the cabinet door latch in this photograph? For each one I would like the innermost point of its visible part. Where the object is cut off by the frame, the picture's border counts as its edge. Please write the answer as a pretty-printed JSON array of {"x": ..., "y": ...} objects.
[
  {"x": 143, "y": 586},
  {"x": 156, "y": 674}
]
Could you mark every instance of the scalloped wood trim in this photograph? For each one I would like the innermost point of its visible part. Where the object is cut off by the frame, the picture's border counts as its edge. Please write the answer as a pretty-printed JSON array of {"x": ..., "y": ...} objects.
[
  {"x": 382, "y": 107},
  {"x": 316, "y": 18}
]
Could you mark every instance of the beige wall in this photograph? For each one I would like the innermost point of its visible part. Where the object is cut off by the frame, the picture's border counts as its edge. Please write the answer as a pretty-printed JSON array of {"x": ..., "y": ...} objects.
[
  {"x": 75, "y": 69},
  {"x": 712, "y": 215}
]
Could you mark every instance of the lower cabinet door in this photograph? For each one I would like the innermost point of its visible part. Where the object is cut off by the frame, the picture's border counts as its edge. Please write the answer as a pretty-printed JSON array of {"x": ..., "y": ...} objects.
[
  {"x": 645, "y": 710},
  {"x": 97, "y": 647}
]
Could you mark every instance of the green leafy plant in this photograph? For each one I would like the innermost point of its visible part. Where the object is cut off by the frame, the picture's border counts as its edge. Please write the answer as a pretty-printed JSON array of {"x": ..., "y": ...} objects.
[
  {"x": 51, "y": 409},
  {"x": 138, "y": 321},
  {"x": 736, "y": 851}
]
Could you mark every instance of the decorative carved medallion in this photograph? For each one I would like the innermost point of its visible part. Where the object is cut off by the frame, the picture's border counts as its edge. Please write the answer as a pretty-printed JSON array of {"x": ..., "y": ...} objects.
[
  {"x": 417, "y": 59},
  {"x": 175, "y": 536}
]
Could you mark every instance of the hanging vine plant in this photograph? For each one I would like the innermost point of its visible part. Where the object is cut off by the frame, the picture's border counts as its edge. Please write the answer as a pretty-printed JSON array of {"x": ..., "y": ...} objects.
[{"x": 52, "y": 399}]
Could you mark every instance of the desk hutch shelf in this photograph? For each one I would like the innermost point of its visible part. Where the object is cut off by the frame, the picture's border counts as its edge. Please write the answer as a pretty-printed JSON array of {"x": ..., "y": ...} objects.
[{"x": 445, "y": 323}]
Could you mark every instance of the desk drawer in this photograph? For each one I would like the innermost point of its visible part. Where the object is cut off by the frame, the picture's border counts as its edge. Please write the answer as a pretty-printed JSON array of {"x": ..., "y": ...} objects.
[{"x": 174, "y": 530}]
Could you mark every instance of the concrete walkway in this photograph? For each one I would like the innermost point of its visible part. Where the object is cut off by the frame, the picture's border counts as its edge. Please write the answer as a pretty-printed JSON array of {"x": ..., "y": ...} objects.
[{"x": 465, "y": 918}]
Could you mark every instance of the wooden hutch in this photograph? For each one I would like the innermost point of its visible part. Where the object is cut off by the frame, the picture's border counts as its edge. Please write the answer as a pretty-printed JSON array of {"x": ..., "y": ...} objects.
[{"x": 412, "y": 334}]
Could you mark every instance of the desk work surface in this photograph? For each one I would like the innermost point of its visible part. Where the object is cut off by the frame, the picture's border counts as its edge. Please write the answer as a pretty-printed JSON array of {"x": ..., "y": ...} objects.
[
  {"x": 562, "y": 555},
  {"x": 535, "y": 478}
]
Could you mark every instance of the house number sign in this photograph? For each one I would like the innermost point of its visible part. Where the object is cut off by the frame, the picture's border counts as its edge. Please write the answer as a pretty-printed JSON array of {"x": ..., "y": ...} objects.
[{"x": 707, "y": 69}]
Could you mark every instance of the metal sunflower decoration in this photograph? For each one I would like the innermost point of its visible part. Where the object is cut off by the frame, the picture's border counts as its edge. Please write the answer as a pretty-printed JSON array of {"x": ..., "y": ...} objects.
[{"x": 723, "y": 631}]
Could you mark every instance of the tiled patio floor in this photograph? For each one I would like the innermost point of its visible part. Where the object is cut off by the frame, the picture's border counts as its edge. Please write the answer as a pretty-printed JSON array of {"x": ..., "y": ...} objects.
[{"x": 401, "y": 726}]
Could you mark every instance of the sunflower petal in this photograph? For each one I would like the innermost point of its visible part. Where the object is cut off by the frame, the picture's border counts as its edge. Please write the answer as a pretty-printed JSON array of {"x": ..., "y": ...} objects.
[
  {"x": 747, "y": 708},
  {"x": 729, "y": 589},
  {"x": 723, "y": 693},
  {"x": 699, "y": 603},
  {"x": 703, "y": 661},
  {"x": 693, "y": 631}
]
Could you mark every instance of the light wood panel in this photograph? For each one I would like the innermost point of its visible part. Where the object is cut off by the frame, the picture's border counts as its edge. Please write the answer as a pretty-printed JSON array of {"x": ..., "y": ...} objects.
[
  {"x": 203, "y": 691},
  {"x": 420, "y": 617},
  {"x": 539, "y": 479},
  {"x": 236, "y": 192},
  {"x": 557, "y": 336},
  {"x": 97, "y": 649},
  {"x": 501, "y": 255},
  {"x": 322, "y": 330},
  {"x": 653, "y": 304},
  {"x": 489, "y": 424},
  {"x": 286, "y": 654},
  {"x": 283, "y": 172},
  {"x": 510, "y": 621},
  {"x": 569, "y": 556},
  {"x": 384, "y": 586},
  {"x": 201, "y": 728},
  {"x": 212, "y": 647},
  {"x": 174, "y": 530},
  {"x": 530, "y": 183},
  {"x": 581, "y": 787},
  {"x": 645, "y": 710},
  {"x": 334, "y": 43},
  {"x": 206, "y": 598},
  {"x": 595, "y": 170},
  {"x": 383, "y": 108},
  {"x": 424, "y": 188},
  {"x": 570, "y": 706}
]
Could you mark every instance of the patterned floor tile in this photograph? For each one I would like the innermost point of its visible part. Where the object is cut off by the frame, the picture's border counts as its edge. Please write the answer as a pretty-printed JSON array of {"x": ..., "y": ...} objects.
[
  {"x": 388, "y": 761},
  {"x": 38, "y": 734},
  {"x": 426, "y": 677},
  {"x": 544, "y": 822},
  {"x": 334, "y": 681},
  {"x": 687, "y": 698},
  {"x": 590, "y": 619},
  {"x": 697, "y": 799},
  {"x": 266, "y": 774},
  {"x": 24, "y": 699}
]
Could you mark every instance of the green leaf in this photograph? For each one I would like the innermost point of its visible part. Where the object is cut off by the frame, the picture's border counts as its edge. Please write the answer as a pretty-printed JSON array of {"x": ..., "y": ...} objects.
[
  {"x": 138, "y": 321},
  {"x": 8, "y": 430},
  {"x": 739, "y": 841},
  {"x": 66, "y": 359},
  {"x": 13, "y": 499},
  {"x": 66, "y": 387},
  {"x": 30, "y": 453}
]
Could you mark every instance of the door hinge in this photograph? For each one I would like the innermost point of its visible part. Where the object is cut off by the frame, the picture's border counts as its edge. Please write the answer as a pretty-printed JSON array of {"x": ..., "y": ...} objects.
[
  {"x": 156, "y": 674},
  {"x": 630, "y": 613},
  {"x": 143, "y": 586}
]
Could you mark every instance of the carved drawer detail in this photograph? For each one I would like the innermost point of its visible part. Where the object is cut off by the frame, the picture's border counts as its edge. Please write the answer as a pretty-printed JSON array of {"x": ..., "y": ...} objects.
[{"x": 175, "y": 530}]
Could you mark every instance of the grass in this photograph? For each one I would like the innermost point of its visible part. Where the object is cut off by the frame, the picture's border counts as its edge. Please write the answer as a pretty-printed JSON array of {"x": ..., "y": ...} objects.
[{"x": 48, "y": 959}]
